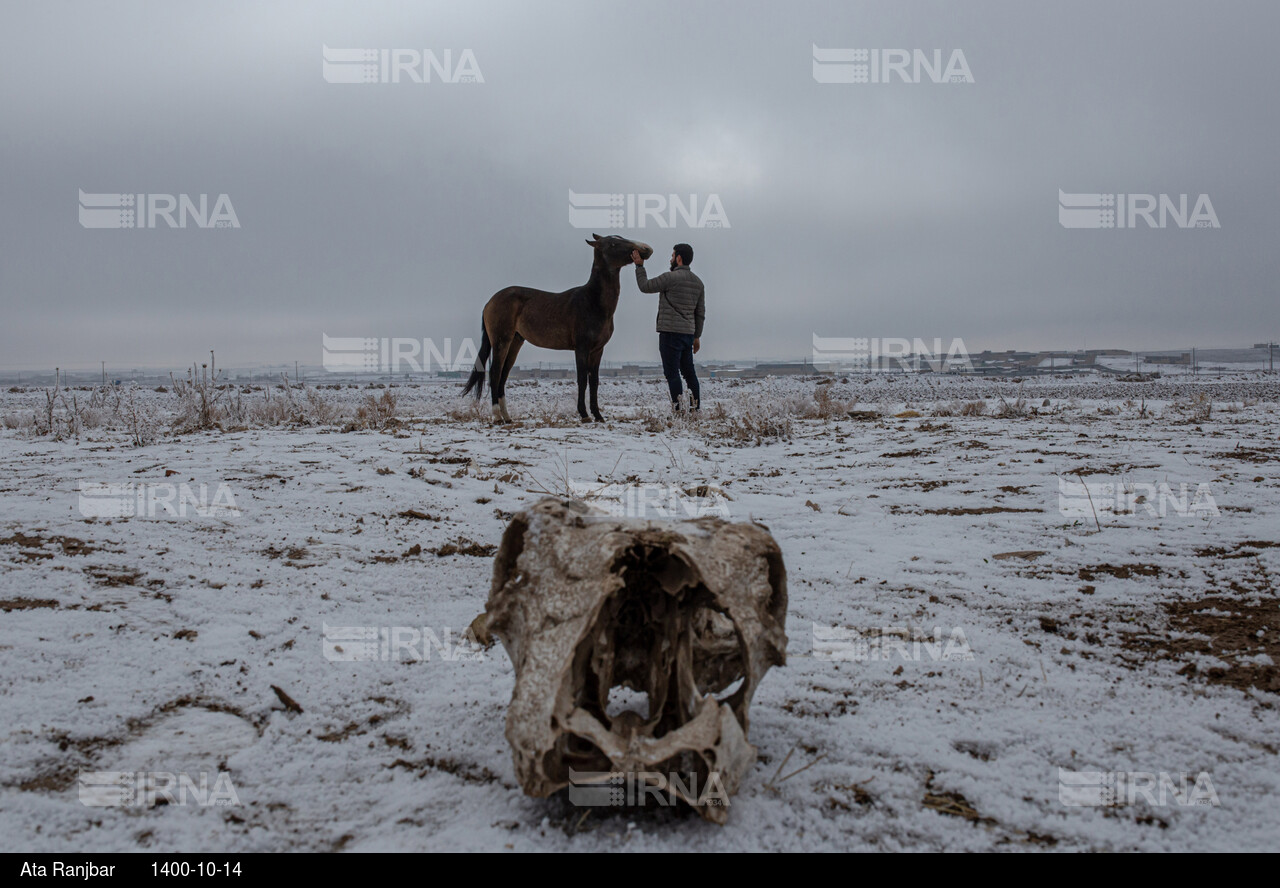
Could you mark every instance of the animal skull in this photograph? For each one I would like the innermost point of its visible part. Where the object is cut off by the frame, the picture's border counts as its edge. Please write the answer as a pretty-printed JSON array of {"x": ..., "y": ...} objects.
[{"x": 680, "y": 611}]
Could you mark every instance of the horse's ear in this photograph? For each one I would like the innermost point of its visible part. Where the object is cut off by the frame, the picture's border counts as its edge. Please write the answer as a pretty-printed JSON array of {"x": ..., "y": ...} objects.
[
  {"x": 590, "y": 243},
  {"x": 596, "y": 236}
]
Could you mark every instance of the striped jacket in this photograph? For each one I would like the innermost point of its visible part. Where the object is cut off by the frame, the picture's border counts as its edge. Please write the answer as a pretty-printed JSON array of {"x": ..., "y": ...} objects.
[{"x": 681, "y": 305}]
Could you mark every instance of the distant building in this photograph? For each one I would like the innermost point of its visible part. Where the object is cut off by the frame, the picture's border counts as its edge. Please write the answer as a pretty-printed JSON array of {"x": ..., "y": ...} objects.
[
  {"x": 541, "y": 373},
  {"x": 788, "y": 368}
]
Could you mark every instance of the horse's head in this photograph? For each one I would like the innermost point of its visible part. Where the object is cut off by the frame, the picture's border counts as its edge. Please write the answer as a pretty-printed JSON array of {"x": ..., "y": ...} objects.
[{"x": 616, "y": 251}]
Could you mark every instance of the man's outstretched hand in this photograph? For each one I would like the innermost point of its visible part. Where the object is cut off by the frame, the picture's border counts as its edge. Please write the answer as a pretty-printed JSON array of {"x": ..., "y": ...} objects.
[
  {"x": 635, "y": 257},
  {"x": 697, "y": 344}
]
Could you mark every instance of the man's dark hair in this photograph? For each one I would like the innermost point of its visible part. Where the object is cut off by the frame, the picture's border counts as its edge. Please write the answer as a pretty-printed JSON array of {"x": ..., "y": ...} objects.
[{"x": 685, "y": 252}]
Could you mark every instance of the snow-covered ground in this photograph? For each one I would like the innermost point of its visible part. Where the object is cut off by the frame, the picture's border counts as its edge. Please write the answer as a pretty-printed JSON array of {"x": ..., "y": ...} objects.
[{"x": 1139, "y": 642}]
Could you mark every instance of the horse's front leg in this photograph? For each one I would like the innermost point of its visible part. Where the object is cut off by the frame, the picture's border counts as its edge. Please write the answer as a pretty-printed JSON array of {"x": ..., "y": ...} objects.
[
  {"x": 593, "y": 378},
  {"x": 582, "y": 386}
]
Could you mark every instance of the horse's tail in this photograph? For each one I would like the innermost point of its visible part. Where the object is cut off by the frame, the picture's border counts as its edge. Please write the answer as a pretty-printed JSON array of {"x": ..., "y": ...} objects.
[{"x": 476, "y": 379}]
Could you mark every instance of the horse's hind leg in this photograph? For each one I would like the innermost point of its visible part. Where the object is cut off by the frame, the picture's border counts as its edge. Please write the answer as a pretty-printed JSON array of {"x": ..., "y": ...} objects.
[
  {"x": 507, "y": 365},
  {"x": 497, "y": 377}
]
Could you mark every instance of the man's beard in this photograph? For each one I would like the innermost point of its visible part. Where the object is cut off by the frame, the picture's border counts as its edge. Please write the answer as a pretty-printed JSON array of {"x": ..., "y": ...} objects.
[{"x": 673, "y": 265}]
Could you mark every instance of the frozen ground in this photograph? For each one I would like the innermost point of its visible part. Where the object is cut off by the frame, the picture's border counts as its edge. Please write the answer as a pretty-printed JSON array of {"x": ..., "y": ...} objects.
[{"x": 1148, "y": 645}]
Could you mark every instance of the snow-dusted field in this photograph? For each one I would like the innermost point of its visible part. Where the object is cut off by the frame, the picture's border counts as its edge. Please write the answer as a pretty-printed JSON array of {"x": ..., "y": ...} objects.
[{"x": 1122, "y": 643}]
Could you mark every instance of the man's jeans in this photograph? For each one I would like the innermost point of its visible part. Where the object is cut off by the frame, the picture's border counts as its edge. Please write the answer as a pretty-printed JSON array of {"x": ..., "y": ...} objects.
[{"x": 677, "y": 360}]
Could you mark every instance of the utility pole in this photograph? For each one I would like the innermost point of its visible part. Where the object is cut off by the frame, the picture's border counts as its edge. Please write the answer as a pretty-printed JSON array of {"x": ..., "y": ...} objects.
[
  {"x": 104, "y": 374},
  {"x": 295, "y": 371}
]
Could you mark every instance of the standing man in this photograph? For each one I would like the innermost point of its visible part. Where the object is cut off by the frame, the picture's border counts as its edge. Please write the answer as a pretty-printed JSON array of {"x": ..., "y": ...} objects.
[{"x": 681, "y": 310}]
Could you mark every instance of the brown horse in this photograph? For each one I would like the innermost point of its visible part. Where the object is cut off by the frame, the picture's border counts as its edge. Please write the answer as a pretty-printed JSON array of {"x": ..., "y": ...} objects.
[{"x": 578, "y": 320}]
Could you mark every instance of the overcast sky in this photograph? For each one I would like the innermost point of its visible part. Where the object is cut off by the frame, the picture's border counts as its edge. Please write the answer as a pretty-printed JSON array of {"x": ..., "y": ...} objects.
[{"x": 855, "y": 209}]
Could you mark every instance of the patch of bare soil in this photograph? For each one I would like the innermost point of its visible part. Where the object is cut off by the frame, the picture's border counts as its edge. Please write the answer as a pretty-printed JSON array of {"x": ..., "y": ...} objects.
[
  {"x": 193, "y": 701},
  {"x": 114, "y": 576},
  {"x": 1232, "y": 630},
  {"x": 59, "y": 779},
  {"x": 356, "y": 728},
  {"x": 1113, "y": 469},
  {"x": 1250, "y": 454},
  {"x": 1246, "y": 549},
  {"x": 33, "y": 546},
  {"x": 859, "y": 796},
  {"x": 958, "y": 510},
  {"x": 415, "y": 515},
  {"x": 1119, "y": 571},
  {"x": 294, "y": 556},
  {"x": 925, "y": 486},
  {"x": 953, "y": 804},
  {"x": 464, "y": 546},
  {"x": 1024, "y": 554},
  {"x": 293, "y": 553},
  {"x": 20, "y": 604},
  {"x": 58, "y": 774},
  {"x": 468, "y": 773}
]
